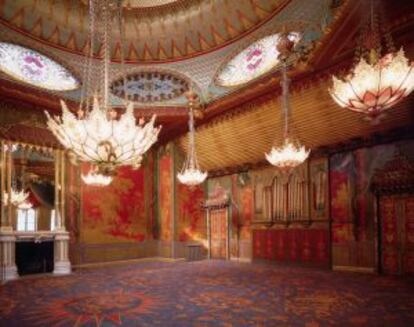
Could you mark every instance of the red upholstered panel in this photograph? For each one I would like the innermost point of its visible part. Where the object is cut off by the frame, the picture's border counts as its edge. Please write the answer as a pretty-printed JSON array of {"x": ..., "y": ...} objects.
[{"x": 293, "y": 245}]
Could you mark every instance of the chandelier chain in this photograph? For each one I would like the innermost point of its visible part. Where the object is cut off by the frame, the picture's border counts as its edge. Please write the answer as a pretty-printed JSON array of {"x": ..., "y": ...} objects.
[
  {"x": 121, "y": 26},
  {"x": 285, "y": 98},
  {"x": 86, "y": 85},
  {"x": 107, "y": 53},
  {"x": 191, "y": 138}
]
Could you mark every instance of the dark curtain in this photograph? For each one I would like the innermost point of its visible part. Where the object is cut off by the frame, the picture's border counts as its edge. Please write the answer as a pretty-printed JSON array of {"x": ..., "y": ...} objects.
[{"x": 44, "y": 192}]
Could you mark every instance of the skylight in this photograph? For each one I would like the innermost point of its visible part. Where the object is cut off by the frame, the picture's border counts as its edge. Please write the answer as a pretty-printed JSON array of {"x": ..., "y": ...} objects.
[
  {"x": 254, "y": 61},
  {"x": 29, "y": 66}
]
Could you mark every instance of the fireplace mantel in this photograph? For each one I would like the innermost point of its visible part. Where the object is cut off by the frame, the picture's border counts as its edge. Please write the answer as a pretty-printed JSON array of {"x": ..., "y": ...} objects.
[
  {"x": 8, "y": 239},
  {"x": 38, "y": 236}
]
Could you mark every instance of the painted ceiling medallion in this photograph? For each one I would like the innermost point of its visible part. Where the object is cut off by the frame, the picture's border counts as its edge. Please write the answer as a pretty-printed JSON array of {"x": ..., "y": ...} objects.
[
  {"x": 31, "y": 67},
  {"x": 147, "y": 3},
  {"x": 148, "y": 87},
  {"x": 139, "y": 4},
  {"x": 254, "y": 61}
]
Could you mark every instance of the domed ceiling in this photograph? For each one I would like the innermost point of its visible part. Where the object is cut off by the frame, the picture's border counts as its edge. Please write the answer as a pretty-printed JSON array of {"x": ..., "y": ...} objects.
[
  {"x": 199, "y": 26},
  {"x": 195, "y": 41}
]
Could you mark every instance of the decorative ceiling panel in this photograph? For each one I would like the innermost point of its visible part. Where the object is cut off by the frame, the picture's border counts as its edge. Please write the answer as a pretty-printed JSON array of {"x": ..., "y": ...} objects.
[
  {"x": 150, "y": 87},
  {"x": 200, "y": 69},
  {"x": 252, "y": 62}
]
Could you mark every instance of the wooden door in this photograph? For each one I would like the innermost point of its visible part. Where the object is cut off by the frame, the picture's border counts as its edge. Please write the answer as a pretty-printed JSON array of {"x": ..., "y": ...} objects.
[
  {"x": 397, "y": 234},
  {"x": 218, "y": 221}
]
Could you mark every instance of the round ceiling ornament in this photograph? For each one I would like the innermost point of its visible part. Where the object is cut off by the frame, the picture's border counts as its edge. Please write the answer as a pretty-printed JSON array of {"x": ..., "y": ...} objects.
[{"x": 149, "y": 87}]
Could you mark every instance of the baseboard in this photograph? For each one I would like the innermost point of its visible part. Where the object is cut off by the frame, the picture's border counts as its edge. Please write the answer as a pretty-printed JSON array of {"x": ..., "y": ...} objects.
[
  {"x": 122, "y": 262},
  {"x": 367, "y": 270},
  {"x": 242, "y": 260}
]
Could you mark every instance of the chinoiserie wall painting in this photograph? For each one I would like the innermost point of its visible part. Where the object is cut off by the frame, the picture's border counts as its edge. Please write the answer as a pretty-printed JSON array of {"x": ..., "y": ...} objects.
[
  {"x": 166, "y": 196},
  {"x": 115, "y": 219},
  {"x": 191, "y": 224},
  {"x": 354, "y": 205}
]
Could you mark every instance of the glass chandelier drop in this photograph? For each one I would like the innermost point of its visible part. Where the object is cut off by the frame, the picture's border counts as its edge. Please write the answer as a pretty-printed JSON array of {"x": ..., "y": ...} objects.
[
  {"x": 375, "y": 84},
  {"x": 96, "y": 135},
  {"x": 18, "y": 198},
  {"x": 291, "y": 153},
  {"x": 190, "y": 173},
  {"x": 94, "y": 178}
]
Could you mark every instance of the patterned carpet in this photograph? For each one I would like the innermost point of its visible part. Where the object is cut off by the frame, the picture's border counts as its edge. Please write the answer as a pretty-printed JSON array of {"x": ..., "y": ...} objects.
[{"x": 207, "y": 293}]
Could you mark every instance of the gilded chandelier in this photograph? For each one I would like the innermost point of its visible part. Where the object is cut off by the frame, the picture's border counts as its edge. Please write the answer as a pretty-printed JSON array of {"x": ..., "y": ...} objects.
[
  {"x": 191, "y": 174},
  {"x": 291, "y": 153},
  {"x": 96, "y": 135},
  {"x": 375, "y": 84}
]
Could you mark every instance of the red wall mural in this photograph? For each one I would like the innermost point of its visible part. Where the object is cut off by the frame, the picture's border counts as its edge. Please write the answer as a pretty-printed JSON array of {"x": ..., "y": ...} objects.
[
  {"x": 295, "y": 245},
  {"x": 191, "y": 217},
  {"x": 115, "y": 213},
  {"x": 166, "y": 195}
]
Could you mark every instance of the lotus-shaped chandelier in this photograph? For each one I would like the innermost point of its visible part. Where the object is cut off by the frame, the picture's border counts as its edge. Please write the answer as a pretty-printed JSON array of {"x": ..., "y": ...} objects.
[
  {"x": 96, "y": 134},
  {"x": 290, "y": 153},
  {"x": 102, "y": 139},
  {"x": 375, "y": 84},
  {"x": 287, "y": 156},
  {"x": 191, "y": 173}
]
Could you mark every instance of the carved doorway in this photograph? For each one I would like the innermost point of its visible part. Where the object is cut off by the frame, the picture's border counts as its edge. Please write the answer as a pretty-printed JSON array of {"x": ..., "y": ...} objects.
[
  {"x": 217, "y": 208},
  {"x": 397, "y": 234},
  {"x": 218, "y": 233},
  {"x": 394, "y": 188}
]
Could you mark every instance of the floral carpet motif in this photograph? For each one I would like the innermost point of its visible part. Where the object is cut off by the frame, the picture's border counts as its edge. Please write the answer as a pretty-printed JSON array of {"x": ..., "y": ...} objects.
[{"x": 208, "y": 293}]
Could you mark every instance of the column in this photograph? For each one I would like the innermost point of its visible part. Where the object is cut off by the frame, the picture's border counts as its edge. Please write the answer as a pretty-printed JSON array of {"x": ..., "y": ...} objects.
[
  {"x": 8, "y": 261},
  {"x": 62, "y": 264}
]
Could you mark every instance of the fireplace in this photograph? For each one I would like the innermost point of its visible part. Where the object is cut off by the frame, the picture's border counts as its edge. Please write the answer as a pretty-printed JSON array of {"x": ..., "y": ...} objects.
[{"x": 34, "y": 257}]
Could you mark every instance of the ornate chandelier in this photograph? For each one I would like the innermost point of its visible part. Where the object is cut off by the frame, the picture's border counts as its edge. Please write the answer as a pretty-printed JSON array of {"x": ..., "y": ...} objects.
[
  {"x": 291, "y": 153},
  {"x": 375, "y": 84},
  {"x": 94, "y": 178},
  {"x": 191, "y": 174},
  {"x": 287, "y": 156},
  {"x": 95, "y": 134},
  {"x": 17, "y": 198}
]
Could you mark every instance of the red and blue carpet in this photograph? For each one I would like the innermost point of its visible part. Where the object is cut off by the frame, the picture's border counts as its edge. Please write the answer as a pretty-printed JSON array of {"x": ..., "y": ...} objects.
[{"x": 208, "y": 294}]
